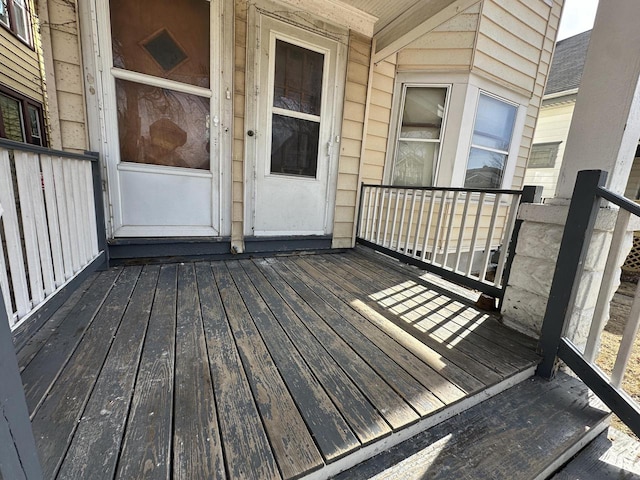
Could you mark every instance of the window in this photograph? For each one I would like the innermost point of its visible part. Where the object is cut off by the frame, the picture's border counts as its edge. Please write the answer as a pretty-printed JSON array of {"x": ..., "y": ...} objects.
[
  {"x": 492, "y": 132},
  {"x": 21, "y": 119},
  {"x": 14, "y": 14},
  {"x": 543, "y": 155},
  {"x": 419, "y": 136}
]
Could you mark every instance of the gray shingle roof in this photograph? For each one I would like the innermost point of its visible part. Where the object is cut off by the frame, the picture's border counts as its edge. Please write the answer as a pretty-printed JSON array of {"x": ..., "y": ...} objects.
[{"x": 568, "y": 63}]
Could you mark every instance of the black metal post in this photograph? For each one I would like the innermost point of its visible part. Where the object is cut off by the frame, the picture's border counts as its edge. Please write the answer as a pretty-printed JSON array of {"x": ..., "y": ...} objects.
[
  {"x": 99, "y": 206},
  {"x": 18, "y": 454},
  {"x": 530, "y": 194},
  {"x": 576, "y": 238}
]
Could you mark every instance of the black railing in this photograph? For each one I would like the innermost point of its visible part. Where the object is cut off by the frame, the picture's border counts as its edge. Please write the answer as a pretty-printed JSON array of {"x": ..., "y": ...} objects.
[
  {"x": 554, "y": 345},
  {"x": 464, "y": 235}
]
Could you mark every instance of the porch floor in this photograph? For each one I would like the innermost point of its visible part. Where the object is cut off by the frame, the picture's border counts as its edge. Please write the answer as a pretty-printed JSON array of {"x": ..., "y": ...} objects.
[{"x": 265, "y": 368}]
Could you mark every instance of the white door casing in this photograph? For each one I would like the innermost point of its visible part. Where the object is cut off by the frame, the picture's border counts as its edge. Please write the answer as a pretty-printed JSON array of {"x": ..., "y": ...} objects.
[{"x": 279, "y": 204}]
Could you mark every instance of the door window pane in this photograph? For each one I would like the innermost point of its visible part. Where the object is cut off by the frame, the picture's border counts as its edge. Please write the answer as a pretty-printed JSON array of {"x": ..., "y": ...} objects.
[
  {"x": 298, "y": 78},
  {"x": 162, "y": 127},
  {"x": 414, "y": 164},
  {"x": 12, "y": 118},
  {"x": 164, "y": 39},
  {"x": 418, "y": 146},
  {"x": 294, "y": 146}
]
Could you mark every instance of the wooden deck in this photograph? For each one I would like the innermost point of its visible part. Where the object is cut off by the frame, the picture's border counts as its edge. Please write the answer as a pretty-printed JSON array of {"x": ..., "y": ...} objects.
[{"x": 267, "y": 368}]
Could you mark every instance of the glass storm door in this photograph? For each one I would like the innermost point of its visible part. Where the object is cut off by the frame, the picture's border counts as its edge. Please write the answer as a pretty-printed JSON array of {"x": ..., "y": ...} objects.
[
  {"x": 163, "y": 111},
  {"x": 295, "y": 145}
]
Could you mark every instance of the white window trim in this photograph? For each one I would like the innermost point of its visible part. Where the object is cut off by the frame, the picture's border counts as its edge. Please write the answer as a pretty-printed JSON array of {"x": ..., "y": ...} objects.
[{"x": 396, "y": 125}]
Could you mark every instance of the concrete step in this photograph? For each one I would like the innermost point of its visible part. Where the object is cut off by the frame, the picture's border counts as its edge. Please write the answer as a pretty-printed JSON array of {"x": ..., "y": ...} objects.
[{"x": 527, "y": 432}]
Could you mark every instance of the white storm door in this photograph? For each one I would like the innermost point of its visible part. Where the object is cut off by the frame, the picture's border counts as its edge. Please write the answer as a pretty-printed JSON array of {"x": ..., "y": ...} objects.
[
  {"x": 162, "y": 117},
  {"x": 295, "y": 164}
]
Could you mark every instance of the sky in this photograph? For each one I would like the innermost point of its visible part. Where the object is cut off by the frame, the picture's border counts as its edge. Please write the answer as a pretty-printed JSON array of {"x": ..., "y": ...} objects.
[{"x": 577, "y": 17}]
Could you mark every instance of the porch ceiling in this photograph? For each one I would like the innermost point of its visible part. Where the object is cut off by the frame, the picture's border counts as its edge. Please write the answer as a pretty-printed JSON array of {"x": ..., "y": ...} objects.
[{"x": 402, "y": 21}]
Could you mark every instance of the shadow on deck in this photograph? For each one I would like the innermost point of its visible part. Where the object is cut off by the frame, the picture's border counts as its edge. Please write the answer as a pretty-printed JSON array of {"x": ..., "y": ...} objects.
[{"x": 279, "y": 367}]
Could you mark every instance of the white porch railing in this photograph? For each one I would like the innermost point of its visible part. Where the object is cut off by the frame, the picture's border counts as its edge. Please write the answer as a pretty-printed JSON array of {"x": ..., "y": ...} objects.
[
  {"x": 48, "y": 225},
  {"x": 459, "y": 233}
]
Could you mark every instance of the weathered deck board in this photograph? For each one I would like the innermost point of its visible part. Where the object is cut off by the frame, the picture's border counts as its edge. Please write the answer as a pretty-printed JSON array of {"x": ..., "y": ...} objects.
[
  {"x": 146, "y": 449},
  {"x": 39, "y": 339},
  {"x": 38, "y": 376},
  {"x": 261, "y": 369},
  {"x": 56, "y": 420},
  {"x": 93, "y": 453},
  {"x": 247, "y": 451},
  {"x": 197, "y": 449},
  {"x": 459, "y": 313},
  {"x": 427, "y": 323},
  {"x": 316, "y": 341},
  {"x": 292, "y": 444}
]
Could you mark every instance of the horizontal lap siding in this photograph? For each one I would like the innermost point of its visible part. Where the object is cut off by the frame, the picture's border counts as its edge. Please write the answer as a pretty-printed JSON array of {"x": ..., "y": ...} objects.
[
  {"x": 352, "y": 136},
  {"x": 514, "y": 48},
  {"x": 67, "y": 66},
  {"x": 553, "y": 126},
  {"x": 449, "y": 47},
  {"x": 19, "y": 67}
]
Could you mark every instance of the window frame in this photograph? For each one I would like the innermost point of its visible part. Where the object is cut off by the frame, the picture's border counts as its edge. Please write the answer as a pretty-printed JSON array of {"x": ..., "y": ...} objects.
[
  {"x": 554, "y": 148},
  {"x": 507, "y": 152},
  {"x": 25, "y": 103},
  {"x": 12, "y": 15},
  {"x": 396, "y": 126}
]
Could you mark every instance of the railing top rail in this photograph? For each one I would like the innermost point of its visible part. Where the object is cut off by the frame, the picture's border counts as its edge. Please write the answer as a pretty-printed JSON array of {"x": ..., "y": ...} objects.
[
  {"x": 26, "y": 147},
  {"x": 619, "y": 200},
  {"x": 449, "y": 189}
]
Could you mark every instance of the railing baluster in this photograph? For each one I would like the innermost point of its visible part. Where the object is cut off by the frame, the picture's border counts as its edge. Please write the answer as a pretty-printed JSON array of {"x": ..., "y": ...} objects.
[
  {"x": 63, "y": 215},
  {"x": 413, "y": 207},
  {"x": 608, "y": 280},
  {"x": 441, "y": 214},
  {"x": 386, "y": 220},
  {"x": 419, "y": 225},
  {"x": 4, "y": 279},
  {"x": 452, "y": 215},
  {"x": 367, "y": 227},
  {"x": 381, "y": 206},
  {"x": 463, "y": 226},
  {"x": 14, "y": 242},
  {"x": 627, "y": 341},
  {"x": 428, "y": 227},
  {"x": 487, "y": 249},
  {"x": 402, "y": 217},
  {"x": 52, "y": 217},
  {"x": 513, "y": 215},
  {"x": 395, "y": 219},
  {"x": 474, "y": 237}
]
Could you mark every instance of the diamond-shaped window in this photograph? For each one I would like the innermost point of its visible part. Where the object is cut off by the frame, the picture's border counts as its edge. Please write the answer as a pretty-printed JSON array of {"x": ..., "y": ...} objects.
[{"x": 165, "y": 50}]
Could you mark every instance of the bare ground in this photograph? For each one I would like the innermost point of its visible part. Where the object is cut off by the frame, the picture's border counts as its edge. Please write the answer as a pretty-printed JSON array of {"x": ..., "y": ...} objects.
[{"x": 620, "y": 308}]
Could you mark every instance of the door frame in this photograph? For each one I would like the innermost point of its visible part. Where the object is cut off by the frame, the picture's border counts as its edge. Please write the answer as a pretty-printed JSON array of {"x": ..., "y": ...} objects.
[
  {"x": 254, "y": 90},
  {"x": 102, "y": 128}
]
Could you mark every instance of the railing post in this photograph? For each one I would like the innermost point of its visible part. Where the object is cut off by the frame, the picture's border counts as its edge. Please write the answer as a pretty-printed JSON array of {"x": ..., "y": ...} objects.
[
  {"x": 99, "y": 206},
  {"x": 576, "y": 238},
  {"x": 18, "y": 454},
  {"x": 530, "y": 194}
]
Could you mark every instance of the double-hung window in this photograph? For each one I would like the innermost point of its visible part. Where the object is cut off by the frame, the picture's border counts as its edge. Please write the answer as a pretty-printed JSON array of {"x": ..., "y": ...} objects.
[
  {"x": 21, "y": 119},
  {"x": 419, "y": 135},
  {"x": 14, "y": 15},
  {"x": 490, "y": 144}
]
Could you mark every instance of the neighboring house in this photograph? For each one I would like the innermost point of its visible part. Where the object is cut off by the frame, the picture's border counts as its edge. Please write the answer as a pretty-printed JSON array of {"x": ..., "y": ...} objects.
[
  {"x": 22, "y": 90},
  {"x": 242, "y": 122},
  {"x": 555, "y": 116}
]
